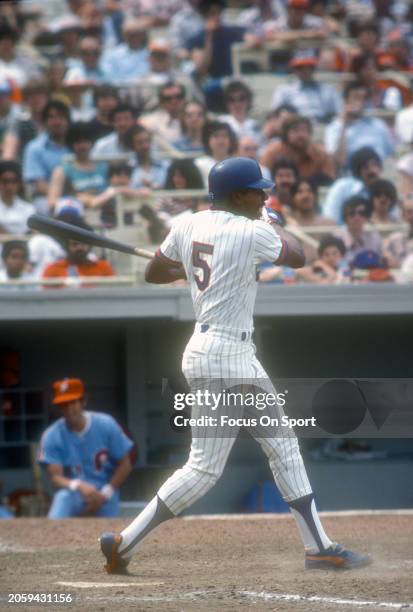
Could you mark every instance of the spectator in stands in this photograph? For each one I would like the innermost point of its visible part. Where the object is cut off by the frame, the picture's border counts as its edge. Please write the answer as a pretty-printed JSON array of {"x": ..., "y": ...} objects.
[
  {"x": 158, "y": 12},
  {"x": 119, "y": 179},
  {"x": 103, "y": 20},
  {"x": 68, "y": 30},
  {"x": 149, "y": 171},
  {"x": 120, "y": 186},
  {"x": 78, "y": 261},
  {"x": 238, "y": 99},
  {"x": 81, "y": 177},
  {"x": 275, "y": 120},
  {"x": 330, "y": 267},
  {"x": 90, "y": 68},
  {"x": 15, "y": 256},
  {"x": 353, "y": 129},
  {"x": 381, "y": 93},
  {"x": 219, "y": 142},
  {"x": 184, "y": 24},
  {"x": 77, "y": 89},
  {"x": 312, "y": 99},
  {"x": 28, "y": 123},
  {"x": 166, "y": 120},
  {"x": 44, "y": 249},
  {"x": 193, "y": 122},
  {"x": 8, "y": 111},
  {"x": 55, "y": 74},
  {"x": 105, "y": 100},
  {"x": 14, "y": 211},
  {"x": 399, "y": 51},
  {"x": 356, "y": 237},
  {"x": 383, "y": 202},
  {"x": 254, "y": 18},
  {"x": 305, "y": 213},
  {"x": 366, "y": 166},
  {"x": 312, "y": 160},
  {"x": 366, "y": 34},
  {"x": 182, "y": 174},
  {"x": 367, "y": 37},
  {"x": 46, "y": 151},
  {"x": 304, "y": 206},
  {"x": 399, "y": 244},
  {"x": 210, "y": 51},
  {"x": 296, "y": 24},
  {"x": 129, "y": 60},
  {"x": 248, "y": 147},
  {"x": 16, "y": 67},
  {"x": 160, "y": 70},
  {"x": 122, "y": 118},
  {"x": 285, "y": 175},
  {"x": 87, "y": 475}
]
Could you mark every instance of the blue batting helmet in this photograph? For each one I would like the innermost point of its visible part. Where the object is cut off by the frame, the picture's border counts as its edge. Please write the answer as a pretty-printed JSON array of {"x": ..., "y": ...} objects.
[{"x": 233, "y": 174}]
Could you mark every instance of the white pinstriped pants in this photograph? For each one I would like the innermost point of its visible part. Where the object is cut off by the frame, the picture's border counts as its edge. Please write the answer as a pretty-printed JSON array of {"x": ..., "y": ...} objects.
[{"x": 215, "y": 356}]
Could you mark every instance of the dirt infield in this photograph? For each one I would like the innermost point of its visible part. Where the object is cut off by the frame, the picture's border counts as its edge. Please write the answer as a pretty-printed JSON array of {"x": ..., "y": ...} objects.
[{"x": 251, "y": 563}]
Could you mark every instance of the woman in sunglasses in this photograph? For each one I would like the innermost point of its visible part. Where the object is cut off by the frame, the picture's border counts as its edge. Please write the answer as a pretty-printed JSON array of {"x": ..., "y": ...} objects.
[
  {"x": 383, "y": 202},
  {"x": 354, "y": 234},
  {"x": 238, "y": 99}
]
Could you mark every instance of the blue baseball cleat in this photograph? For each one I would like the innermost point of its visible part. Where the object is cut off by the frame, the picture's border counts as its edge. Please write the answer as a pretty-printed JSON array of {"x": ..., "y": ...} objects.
[
  {"x": 336, "y": 557},
  {"x": 109, "y": 544}
]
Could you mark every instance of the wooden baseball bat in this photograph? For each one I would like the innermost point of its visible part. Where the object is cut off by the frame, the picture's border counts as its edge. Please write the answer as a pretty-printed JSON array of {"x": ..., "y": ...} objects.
[{"x": 66, "y": 231}]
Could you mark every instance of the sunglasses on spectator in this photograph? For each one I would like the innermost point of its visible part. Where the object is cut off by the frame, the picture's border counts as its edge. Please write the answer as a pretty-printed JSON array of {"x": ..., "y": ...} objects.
[
  {"x": 194, "y": 114},
  {"x": 90, "y": 52},
  {"x": 240, "y": 98},
  {"x": 360, "y": 212},
  {"x": 172, "y": 97},
  {"x": 9, "y": 181}
]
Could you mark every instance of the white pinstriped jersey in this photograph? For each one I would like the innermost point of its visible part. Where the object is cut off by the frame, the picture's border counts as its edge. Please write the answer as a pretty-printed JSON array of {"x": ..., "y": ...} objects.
[{"x": 220, "y": 251}]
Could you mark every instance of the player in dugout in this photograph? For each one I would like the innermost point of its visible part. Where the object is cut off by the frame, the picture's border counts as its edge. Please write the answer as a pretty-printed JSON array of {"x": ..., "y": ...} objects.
[{"x": 87, "y": 454}]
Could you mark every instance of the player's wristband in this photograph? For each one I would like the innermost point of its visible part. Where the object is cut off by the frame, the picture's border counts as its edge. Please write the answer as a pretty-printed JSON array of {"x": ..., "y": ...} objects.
[
  {"x": 272, "y": 216},
  {"x": 74, "y": 484},
  {"x": 107, "y": 491}
]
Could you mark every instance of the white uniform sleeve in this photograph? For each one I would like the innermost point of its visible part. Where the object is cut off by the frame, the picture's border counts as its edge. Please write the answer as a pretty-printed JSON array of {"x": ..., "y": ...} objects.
[
  {"x": 268, "y": 245},
  {"x": 169, "y": 247}
]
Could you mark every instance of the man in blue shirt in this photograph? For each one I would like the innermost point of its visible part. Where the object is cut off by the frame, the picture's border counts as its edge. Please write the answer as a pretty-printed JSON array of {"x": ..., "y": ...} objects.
[
  {"x": 44, "y": 153},
  {"x": 312, "y": 99},
  {"x": 355, "y": 129},
  {"x": 122, "y": 118},
  {"x": 211, "y": 51},
  {"x": 87, "y": 456},
  {"x": 366, "y": 167},
  {"x": 129, "y": 60}
]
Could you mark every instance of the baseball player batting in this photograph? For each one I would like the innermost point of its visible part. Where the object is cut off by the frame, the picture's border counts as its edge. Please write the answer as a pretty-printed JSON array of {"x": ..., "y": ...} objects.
[{"x": 217, "y": 250}]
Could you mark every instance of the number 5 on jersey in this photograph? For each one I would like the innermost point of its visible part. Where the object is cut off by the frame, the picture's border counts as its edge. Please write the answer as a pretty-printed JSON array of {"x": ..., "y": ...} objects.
[{"x": 199, "y": 251}]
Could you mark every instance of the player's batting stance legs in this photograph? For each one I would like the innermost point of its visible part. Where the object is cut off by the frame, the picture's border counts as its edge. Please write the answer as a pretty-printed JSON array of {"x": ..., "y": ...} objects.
[
  {"x": 217, "y": 251},
  {"x": 207, "y": 459},
  {"x": 191, "y": 482}
]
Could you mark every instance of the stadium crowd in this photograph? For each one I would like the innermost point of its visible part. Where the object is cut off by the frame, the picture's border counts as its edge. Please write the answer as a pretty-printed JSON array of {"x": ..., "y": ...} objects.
[{"x": 107, "y": 102}]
